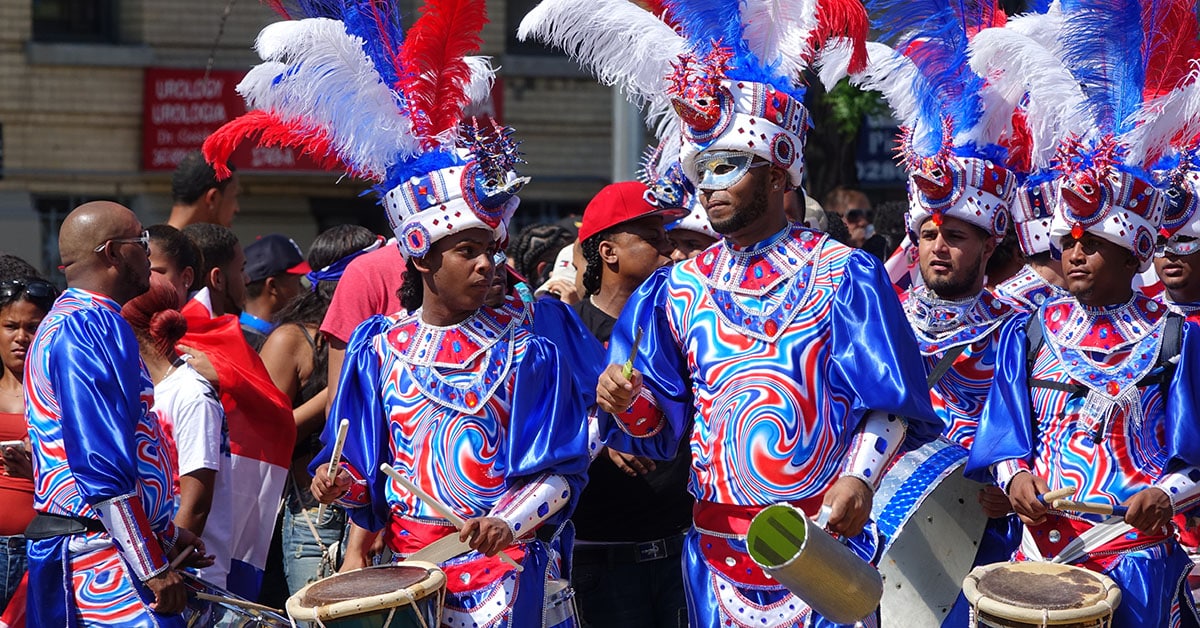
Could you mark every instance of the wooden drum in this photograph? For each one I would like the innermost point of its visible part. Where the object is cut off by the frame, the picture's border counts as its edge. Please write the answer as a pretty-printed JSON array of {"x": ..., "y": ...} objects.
[
  {"x": 1022, "y": 595},
  {"x": 403, "y": 595}
]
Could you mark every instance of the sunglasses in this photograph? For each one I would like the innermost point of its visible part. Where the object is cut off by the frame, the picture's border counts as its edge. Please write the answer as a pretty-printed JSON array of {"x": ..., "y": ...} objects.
[
  {"x": 143, "y": 240},
  {"x": 36, "y": 289},
  {"x": 1177, "y": 247},
  {"x": 722, "y": 169},
  {"x": 857, "y": 215}
]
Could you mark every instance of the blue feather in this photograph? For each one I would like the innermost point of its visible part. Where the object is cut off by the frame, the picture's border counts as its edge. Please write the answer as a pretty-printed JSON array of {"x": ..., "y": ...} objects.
[
  {"x": 417, "y": 167},
  {"x": 1102, "y": 45},
  {"x": 705, "y": 21},
  {"x": 933, "y": 33}
]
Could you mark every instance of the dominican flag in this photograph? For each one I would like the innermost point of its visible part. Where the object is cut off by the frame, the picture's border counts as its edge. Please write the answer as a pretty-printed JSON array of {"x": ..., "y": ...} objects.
[
  {"x": 262, "y": 434},
  {"x": 902, "y": 267}
]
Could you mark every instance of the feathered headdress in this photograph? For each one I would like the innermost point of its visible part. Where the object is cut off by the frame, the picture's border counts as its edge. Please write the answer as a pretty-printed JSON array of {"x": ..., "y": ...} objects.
[
  {"x": 727, "y": 75},
  {"x": 953, "y": 121},
  {"x": 342, "y": 83}
]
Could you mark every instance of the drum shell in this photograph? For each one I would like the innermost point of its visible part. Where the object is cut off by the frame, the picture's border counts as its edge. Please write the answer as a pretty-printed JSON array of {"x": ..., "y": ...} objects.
[
  {"x": 367, "y": 613},
  {"x": 823, "y": 572},
  {"x": 998, "y": 614}
]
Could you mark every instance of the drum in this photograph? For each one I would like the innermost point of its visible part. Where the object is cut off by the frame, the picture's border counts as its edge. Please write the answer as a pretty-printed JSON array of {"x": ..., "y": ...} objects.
[
  {"x": 403, "y": 595},
  {"x": 1023, "y": 595},
  {"x": 209, "y": 605},
  {"x": 930, "y": 524},
  {"x": 560, "y": 605}
]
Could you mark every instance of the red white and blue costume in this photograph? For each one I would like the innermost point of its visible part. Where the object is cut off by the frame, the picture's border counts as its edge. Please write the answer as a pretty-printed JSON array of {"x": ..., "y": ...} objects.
[
  {"x": 96, "y": 456},
  {"x": 484, "y": 417},
  {"x": 764, "y": 351}
]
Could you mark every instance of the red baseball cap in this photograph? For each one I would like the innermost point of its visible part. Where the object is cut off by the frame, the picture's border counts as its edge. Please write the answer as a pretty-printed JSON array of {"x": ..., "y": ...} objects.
[{"x": 622, "y": 202}]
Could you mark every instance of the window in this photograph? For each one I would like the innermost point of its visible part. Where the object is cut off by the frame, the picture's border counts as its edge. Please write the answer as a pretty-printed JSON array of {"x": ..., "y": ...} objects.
[
  {"x": 51, "y": 212},
  {"x": 75, "y": 21}
]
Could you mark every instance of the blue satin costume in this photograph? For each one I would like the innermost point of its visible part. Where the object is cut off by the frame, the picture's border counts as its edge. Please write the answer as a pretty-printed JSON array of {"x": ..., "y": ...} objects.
[
  {"x": 1110, "y": 452},
  {"x": 775, "y": 353},
  {"x": 470, "y": 413},
  {"x": 96, "y": 455}
]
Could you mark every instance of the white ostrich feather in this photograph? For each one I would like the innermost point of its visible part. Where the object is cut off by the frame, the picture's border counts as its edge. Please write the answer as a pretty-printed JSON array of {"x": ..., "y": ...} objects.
[
  {"x": 833, "y": 61},
  {"x": 483, "y": 76},
  {"x": 318, "y": 73},
  {"x": 1016, "y": 65},
  {"x": 1040, "y": 27},
  {"x": 618, "y": 41},
  {"x": 777, "y": 32},
  {"x": 1175, "y": 114}
]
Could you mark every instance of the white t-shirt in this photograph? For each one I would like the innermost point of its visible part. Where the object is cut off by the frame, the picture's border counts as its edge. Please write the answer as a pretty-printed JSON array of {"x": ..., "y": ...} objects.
[{"x": 190, "y": 412}]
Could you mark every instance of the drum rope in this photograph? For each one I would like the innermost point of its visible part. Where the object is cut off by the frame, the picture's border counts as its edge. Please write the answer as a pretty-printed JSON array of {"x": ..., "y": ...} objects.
[{"x": 1045, "y": 617}]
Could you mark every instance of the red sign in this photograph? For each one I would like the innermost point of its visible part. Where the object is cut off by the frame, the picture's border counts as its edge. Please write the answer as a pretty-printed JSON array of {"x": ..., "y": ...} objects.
[{"x": 183, "y": 107}]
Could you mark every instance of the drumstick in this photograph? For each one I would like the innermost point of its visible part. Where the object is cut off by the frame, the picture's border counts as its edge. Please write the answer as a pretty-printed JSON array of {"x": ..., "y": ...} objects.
[
  {"x": 208, "y": 597},
  {"x": 1093, "y": 508},
  {"x": 627, "y": 370},
  {"x": 338, "y": 443},
  {"x": 438, "y": 506},
  {"x": 1049, "y": 497},
  {"x": 183, "y": 555}
]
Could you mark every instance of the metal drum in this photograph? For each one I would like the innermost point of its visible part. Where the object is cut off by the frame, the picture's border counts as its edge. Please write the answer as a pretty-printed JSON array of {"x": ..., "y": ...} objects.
[
  {"x": 1024, "y": 595},
  {"x": 930, "y": 523},
  {"x": 403, "y": 595},
  {"x": 209, "y": 605},
  {"x": 560, "y": 605}
]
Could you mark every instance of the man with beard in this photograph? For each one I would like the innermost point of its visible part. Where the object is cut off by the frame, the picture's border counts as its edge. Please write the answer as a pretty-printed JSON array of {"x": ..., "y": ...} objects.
[
  {"x": 102, "y": 541},
  {"x": 777, "y": 352},
  {"x": 1096, "y": 392}
]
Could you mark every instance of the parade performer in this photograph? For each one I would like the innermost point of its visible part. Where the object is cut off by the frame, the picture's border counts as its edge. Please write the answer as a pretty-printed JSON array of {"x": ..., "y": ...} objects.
[
  {"x": 102, "y": 540},
  {"x": 762, "y": 347},
  {"x": 461, "y": 399},
  {"x": 1095, "y": 391}
]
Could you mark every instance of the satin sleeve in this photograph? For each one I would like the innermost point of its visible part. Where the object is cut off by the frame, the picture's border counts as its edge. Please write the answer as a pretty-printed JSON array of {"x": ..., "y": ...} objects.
[
  {"x": 96, "y": 371},
  {"x": 1183, "y": 402},
  {"x": 359, "y": 400},
  {"x": 1005, "y": 431},
  {"x": 874, "y": 355},
  {"x": 579, "y": 351},
  {"x": 548, "y": 430},
  {"x": 666, "y": 406}
]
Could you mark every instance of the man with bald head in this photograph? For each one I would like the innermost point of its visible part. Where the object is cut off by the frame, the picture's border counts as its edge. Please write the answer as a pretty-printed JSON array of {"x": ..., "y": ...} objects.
[{"x": 102, "y": 540}]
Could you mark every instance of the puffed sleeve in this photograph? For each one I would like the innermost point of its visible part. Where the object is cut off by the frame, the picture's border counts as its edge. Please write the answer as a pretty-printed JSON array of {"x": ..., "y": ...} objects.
[
  {"x": 359, "y": 399},
  {"x": 1183, "y": 430},
  {"x": 96, "y": 371},
  {"x": 580, "y": 352},
  {"x": 1005, "y": 434},
  {"x": 548, "y": 425},
  {"x": 662, "y": 415},
  {"x": 874, "y": 353}
]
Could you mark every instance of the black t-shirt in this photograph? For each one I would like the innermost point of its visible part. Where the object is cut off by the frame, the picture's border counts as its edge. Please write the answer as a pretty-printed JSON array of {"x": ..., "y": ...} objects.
[{"x": 616, "y": 507}]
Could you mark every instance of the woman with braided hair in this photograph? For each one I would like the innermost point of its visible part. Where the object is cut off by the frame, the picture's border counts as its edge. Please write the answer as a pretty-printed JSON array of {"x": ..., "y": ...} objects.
[{"x": 532, "y": 252}]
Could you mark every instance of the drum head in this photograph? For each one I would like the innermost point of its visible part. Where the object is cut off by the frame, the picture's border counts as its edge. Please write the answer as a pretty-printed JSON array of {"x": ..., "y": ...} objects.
[
  {"x": 1043, "y": 585},
  {"x": 363, "y": 583}
]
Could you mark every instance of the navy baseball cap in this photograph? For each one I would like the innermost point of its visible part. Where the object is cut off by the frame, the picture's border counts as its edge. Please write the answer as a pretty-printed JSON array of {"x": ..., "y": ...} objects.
[{"x": 274, "y": 254}]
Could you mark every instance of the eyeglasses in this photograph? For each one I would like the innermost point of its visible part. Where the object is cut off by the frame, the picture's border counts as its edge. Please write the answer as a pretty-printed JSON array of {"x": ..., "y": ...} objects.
[
  {"x": 35, "y": 288},
  {"x": 722, "y": 169},
  {"x": 143, "y": 240},
  {"x": 857, "y": 215},
  {"x": 1176, "y": 246}
]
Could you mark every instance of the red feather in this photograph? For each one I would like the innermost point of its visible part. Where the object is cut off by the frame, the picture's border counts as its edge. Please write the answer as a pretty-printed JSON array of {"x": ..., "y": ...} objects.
[
  {"x": 1019, "y": 144},
  {"x": 1170, "y": 43},
  {"x": 277, "y": 6},
  {"x": 436, "y": 75},
  {"x": 270, "y": 130},
  {"x": 842, "y": 18}
]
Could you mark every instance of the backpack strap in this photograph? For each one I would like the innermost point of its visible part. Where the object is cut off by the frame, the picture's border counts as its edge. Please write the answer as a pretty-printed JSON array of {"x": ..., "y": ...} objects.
[
  {"x": 1168, "y": 352},
  {"x": 1034, "y": 339}
]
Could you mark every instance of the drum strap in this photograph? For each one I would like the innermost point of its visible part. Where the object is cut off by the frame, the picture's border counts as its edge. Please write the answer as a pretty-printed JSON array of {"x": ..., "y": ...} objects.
[
  {"x": 1094, "y": 538},
  {"x": 943, "y": 365}
]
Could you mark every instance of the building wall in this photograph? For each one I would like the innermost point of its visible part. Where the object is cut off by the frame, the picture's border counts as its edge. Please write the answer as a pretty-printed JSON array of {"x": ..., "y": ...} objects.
[{"x": 71, "y": 117}]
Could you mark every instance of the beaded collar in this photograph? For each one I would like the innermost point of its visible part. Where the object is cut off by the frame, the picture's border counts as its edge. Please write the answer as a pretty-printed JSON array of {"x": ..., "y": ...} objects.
[
  {"x": 1183, "y": 309},
  {"x": 1027, "y": 290},
  {"x": 479, "y": 350},
  {"x": 940, "y": 324},
  {"x": 757, "y": 290},
  {"x": 1105, "y": 329}
]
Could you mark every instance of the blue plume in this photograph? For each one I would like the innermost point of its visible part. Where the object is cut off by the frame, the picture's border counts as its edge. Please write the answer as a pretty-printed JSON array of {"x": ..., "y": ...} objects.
[
  {"x": 933, "y": 33},
  {"x": 417, "y": 167},
  {"x": 376, "y": 22},
  {"x": 1102, "y": 45},
  {"x": 706, "y": 21}
]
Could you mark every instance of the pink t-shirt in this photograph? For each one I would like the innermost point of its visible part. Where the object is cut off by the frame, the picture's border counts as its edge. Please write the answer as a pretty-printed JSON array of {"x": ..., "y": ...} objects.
[{"x": 368, "y": 287}]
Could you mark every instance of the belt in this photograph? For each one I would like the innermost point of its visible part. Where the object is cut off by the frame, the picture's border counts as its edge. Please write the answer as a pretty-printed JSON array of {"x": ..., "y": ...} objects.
[
  {"x": 47, "y": 526},
  {"x": 643, "y": 552}
]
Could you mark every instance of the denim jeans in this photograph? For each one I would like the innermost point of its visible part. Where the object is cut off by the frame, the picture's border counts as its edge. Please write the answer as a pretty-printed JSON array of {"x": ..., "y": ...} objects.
[
  {"x": 630, "y": 595},
  {"x": 12, "y": 560},
  {"x": 301, "y": 553}
]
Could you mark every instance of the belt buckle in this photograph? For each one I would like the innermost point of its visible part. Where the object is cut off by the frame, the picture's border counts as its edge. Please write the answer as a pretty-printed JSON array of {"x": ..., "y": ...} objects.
[{"x": 651, "y": 550}]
